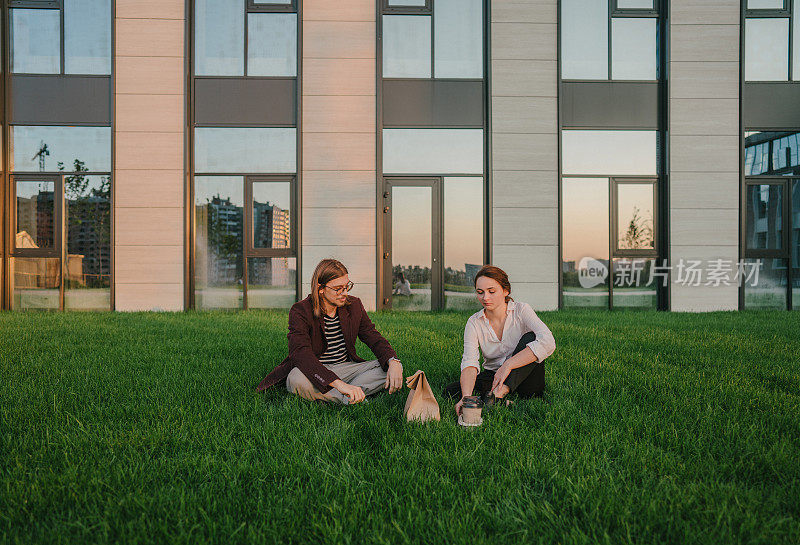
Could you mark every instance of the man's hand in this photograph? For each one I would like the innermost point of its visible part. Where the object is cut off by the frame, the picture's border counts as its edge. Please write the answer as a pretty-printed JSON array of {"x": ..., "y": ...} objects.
[
  {"x": 354, "y": 393},
  {"x": 394, "y": 376},
  {"x": 499, "y": 378}
]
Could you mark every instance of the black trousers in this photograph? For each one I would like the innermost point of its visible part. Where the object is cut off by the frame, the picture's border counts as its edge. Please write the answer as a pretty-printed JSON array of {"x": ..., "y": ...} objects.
[{"x": 526, "y": 381}]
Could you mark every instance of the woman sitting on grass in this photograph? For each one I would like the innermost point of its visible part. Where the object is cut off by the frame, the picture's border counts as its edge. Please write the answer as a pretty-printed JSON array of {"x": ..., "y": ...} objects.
[{"x": 513, "y": 340}]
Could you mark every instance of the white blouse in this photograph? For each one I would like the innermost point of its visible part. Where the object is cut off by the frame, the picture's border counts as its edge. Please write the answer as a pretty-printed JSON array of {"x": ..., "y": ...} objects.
[{"x": 480, "y": 337}]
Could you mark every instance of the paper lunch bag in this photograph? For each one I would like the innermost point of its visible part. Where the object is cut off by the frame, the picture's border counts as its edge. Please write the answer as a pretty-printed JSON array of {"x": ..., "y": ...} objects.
[{"x": 421, "y": 403}]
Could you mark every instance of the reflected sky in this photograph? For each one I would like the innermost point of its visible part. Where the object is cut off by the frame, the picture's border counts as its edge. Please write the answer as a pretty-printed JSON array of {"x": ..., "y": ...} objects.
[
  {"x": 635, "y": 216},
  {"x": 272, "y": 44},
  {"x": 406, "y": 2},
  {"x": 433, "y": 151},
  {"x": 35, "y": 36},
  {"x": 255, "y": 150},
  {"x": 609, "y": 152},
  {"x": 92, "y": 145},
  {"x": 584, "y": 39},
  {"x": 406, "y": 46},
  {"x": 219, "y": 38},
  {"x": 635, "y": 4},
  {"x": 87, "y": 36},
  {"x": 458, "y": 38},
  {"x": 584, "y": 212},
  {"x": 463, "y": 222},
  {"x": 227, "y": 187},
  {"x": 766, "y": 49},
  {"x": 764, "y": 4},
  {"x": 633, "y": 48},
  {"x": 411, "y": 226}
]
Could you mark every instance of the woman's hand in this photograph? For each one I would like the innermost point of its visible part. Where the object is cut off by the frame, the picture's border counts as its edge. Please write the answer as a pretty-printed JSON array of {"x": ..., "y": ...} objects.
[
  {"x": 459, "y": 406},
  {"x": 354, "y": 393},
  {"x": 500, "y": 377},
  {"x": 394, "y": 376}
]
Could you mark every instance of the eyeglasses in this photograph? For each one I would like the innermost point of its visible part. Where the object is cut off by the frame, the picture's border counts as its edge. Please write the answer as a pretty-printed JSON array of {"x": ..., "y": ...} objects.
[{"x": 338, "y": 290}]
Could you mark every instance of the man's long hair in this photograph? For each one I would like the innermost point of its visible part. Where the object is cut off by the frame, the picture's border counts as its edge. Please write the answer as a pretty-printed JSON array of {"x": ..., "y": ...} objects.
[{"x": 327, "y": 270}]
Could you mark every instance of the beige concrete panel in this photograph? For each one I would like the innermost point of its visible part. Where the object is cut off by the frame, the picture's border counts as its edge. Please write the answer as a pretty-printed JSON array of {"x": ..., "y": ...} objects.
[
  {"x": 338, "y": 114},
  {"x": 540, "y": 295},
  {"x": 704, "y": 116},
  {"x": 365, "y": 292},
  {"x": 526, "y": 11},
  {"x": 527, "y": 263},
  {"x": 705, "y": 43},
  {"x": 359, "y": 260},
  {"x": 338, "y": 77},
  {"x": 339, "y": 227},
  {"x": 148, "y": 264},
  {"x": 150, "y": 9},
  {"x": 148, "y": 226},
  {"x": 526, "y": 226},
  {"x": 530, "y": 41},
  {"x": 352, "y": 10},
  {"x": 149, "y": 75},
  {"x": 345, "y": 151},
  {"x": 512, "y": 77},
  {"x": 338, "y": 40},
  {"x": 524, "y": 115},
  {"x": 149, "y": 151},
  {"x": 703, "y": 253},
  {"x": 704, "y": 154},
  {"x": 704, "y": 190},
  {"x": 525, "y": 189},
  {"x": 149, "y": 113},
  {"x": 710, "y": 12},
  {"x": 343, "y": 189},
  {"x": 710, "y": 227},
  {"x": 149, "y": 38},
  {"x": 525, "y": 151},
  {"x": 703, "y": 298},
  {"x": 143, "y": 188},
  {"x": 704, "y": 80},
  {"x": 144, "y": 297}
]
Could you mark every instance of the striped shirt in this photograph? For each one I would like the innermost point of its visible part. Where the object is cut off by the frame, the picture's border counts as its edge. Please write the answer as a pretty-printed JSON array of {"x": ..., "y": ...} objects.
[{"x": 336, "y": 352}]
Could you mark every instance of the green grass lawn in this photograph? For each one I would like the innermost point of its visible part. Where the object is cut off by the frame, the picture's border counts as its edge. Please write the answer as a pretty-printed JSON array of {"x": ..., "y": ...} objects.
[{"x": 655, "y": 428}]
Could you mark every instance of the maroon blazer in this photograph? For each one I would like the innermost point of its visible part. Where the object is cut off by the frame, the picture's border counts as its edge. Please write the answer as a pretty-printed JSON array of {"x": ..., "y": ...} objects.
[{"x": 307, "y": 343}]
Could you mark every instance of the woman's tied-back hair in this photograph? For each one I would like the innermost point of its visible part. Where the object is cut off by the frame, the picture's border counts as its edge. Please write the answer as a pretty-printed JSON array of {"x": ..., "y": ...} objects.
[
  {"x": 497, "y": 274},
  {"x": 327, "y": 270}
]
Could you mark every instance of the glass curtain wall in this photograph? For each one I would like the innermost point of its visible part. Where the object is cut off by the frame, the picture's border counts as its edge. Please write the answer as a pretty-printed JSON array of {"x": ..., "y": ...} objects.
[
  {"x": 58, "y": 185},
  {"x": 244, "y": 154},
  {"x": 770, "y": 272},
  {"x": 433, "y": 162},
  {"x": 771, "y": 40}
]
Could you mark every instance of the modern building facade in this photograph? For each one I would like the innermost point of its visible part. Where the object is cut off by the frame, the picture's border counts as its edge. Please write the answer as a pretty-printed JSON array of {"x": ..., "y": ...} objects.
[{"x": 206, "y": 154}]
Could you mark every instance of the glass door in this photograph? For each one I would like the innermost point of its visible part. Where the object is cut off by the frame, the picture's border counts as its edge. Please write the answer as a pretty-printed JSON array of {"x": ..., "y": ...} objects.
[{"x": 412, "y": 255}]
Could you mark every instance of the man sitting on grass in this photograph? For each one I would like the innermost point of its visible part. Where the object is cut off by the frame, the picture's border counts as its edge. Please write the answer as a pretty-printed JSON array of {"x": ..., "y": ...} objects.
[{"x": 322, "y": 363}]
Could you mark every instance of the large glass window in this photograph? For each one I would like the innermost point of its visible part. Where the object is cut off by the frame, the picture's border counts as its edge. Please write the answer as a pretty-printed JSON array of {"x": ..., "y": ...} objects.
[
  {"x": 431, "y": 151},
  {"x": 604, "y": 152},
  {"x": 407, "y": 46},
  {"x": 272, "y": 44},
  {"x": 463, "y": 240},
  {"x": 48, "y": 149},
  {"x": 37, "y": 38},
  {"x": 590, "y": 52},
  {"x": 769, "y": 42},
  {"x": 245, "y": 149}
]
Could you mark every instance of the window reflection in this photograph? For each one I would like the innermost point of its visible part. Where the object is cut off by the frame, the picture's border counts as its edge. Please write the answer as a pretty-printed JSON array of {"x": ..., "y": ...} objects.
[
  {"x": 433, "y": 151},
  {"x": 776, "y": 152},
  {"x": 36, "y": 283},
  {"x": 87, "y": 36},
  {"x": 764, "y": 215},
  {"x": 407, "y": 3},
  {"x": 635, "y": 216},
  {"x": 411, "y": 247},
  {"x": 584, "y": 39},
  {"x": 271, "y": 282},
  {"x": 219, "y": 38},
  {"x": 764, "y": 4},
  {"x": 458, "y": 40},
  {"x": 609, "y": 152},
  {"x": 765, "y": 290},
  {"x": 463, "y": 240},
  {"x": 406, "y": 46},
  {"x": 88, "y": 267},
  {"x": 272, "y": 44},
  {"x": 796, "y": 40},
  {"x": 271, "y": 215},
  {"x": 35, "y": 41},
  {"x": 35, "y": 215},
  {"x": 633, "y": 48},
  {"x": 68, "y": 149},
  {"x": 255, "y": 150},
  {"x": 635, "y": 4},
  {"x": 766, "y": 49},
  {"x": 219, "y": 258},
  {"x": 794, "y": 254},
  {"x": 585, "y": 240},
  {"x": 634, "y": 287}
]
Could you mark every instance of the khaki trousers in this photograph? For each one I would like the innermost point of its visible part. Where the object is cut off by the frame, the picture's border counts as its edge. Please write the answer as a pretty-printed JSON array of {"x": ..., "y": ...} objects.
[{"x": 368, "y": 375}]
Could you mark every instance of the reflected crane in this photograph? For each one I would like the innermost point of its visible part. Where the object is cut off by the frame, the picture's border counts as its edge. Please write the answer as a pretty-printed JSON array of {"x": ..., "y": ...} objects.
[{"x": 41, "y": 154}]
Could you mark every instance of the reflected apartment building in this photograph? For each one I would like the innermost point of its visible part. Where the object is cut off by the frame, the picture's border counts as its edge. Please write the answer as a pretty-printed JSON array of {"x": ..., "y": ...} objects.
[{"x": 206, "y": 154}]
